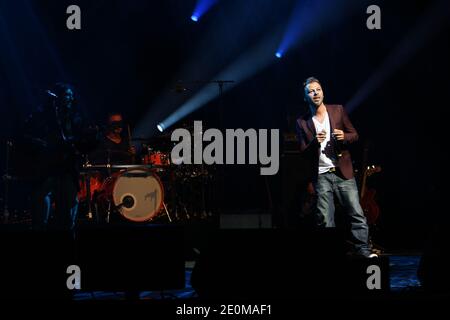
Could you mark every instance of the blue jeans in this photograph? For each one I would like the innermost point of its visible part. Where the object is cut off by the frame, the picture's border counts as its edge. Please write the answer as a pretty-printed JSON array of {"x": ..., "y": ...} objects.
[{"x": 329, "y": 185}]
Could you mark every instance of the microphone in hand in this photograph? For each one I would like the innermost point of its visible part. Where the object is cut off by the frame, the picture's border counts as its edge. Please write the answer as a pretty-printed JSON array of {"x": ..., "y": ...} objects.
[
  {"x": 321, "y": 136},
  {"x": 337, "y": 142}
]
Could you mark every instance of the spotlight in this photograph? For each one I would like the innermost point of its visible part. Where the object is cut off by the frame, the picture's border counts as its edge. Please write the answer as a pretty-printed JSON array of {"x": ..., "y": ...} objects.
[
  {"x": 278, "y": 54},
  {"x": 160, "y": 127},
  {"x": 245, "y": 66},
  {"x": 201, "y": 8}
]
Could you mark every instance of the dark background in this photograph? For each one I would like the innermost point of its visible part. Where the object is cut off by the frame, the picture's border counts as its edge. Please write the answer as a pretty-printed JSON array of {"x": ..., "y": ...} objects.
[{"x": 129, "y": 53}]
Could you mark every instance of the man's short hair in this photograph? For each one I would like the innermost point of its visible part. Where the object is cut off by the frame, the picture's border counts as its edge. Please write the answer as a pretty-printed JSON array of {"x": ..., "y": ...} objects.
[{"x": 310, "y": 80}]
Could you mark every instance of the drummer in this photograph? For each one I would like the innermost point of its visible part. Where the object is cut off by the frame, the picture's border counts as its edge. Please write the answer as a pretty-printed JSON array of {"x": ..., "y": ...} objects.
[{"x": 114, "y": 147}]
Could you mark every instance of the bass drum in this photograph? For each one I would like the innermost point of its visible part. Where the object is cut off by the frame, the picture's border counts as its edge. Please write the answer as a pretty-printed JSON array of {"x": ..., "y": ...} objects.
[{"x": 137, "y": 194}]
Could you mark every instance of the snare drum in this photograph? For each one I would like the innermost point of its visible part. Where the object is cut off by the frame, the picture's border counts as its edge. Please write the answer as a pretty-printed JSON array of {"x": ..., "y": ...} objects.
[{"x": 137, "y": 194}]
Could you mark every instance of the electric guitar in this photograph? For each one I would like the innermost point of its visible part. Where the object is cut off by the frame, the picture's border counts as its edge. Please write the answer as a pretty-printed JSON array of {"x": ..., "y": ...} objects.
[{"x": 367, "y": 196}]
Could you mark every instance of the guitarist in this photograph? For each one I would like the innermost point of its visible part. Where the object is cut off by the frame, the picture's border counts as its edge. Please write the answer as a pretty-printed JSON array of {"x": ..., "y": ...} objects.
[
  {"x": 324, "y": 134},
  {"x": 55, "y": 135}
]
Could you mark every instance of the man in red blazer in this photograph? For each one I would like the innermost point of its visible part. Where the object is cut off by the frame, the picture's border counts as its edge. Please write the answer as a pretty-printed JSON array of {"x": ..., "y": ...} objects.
[{"x": 324, "y": 134}]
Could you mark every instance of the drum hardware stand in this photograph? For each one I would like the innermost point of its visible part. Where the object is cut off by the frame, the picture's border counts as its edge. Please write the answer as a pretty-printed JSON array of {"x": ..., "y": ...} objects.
[
  {"x": 108, "y": 162},
  {"x": 108, "y": 166},
  {"x": 87, "y": 182},
  {"x": 167, "y": 211},
  {"x": 108, "y": 212},
  {"x": 188, "y": 216},
  {"x": 88, "y": 191}
]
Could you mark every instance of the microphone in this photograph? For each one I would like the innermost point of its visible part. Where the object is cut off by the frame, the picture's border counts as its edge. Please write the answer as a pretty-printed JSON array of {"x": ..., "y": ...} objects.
[
  {"x": 51, "y": 94},
  {"x": 337, "y": 146},
  {"x": 127, "y": 202}
]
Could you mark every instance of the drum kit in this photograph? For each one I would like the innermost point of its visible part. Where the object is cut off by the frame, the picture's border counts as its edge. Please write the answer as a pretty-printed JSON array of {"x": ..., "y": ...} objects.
[
  {"x": 150, "y": 187},
  {"x": 145, "y": 192}
]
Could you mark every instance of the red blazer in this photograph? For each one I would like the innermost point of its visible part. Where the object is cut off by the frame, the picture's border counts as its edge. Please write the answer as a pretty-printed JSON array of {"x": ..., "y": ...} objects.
[{"x": 310, "y": 147}]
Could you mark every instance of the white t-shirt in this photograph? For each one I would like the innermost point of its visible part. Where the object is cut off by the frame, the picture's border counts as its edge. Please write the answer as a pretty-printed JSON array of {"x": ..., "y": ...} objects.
[{"x": 326, "y": 162}]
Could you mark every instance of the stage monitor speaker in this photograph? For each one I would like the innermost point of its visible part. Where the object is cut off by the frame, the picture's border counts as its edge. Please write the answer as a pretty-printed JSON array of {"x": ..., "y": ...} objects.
[
  {"x": 34, "y": 264},
  {"x": 279, "y": 264},
  {"x": 131, "y": 258},
  {"x": 264, "y": 263}
]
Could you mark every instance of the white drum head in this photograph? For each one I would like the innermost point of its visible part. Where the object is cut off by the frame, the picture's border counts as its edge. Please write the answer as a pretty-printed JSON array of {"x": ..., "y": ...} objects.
[{"x": 139, "y": 195}]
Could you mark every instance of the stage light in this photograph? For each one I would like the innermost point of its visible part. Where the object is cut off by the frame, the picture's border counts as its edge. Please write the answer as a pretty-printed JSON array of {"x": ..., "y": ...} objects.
[
  {"x": 161, "y": 127},
  {"x": 302, "y": 25},
  {"x": 428, "y": 26},
  {"x": 278, "y": 55},
  {"x": 251, "y": 60},
  {"x": 245, "y": 66},
  {"x": 201, "y": 7}
]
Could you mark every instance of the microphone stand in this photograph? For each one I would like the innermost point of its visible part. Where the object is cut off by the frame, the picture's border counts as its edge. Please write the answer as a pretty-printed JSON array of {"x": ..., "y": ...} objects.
[
  {"x": 221, "y": 182},
  {"x": 220, "y": 84}
]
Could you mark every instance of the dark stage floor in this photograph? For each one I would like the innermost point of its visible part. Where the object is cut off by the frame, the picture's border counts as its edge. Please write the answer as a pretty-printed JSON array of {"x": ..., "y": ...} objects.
[
  {"x": 403, "y": 278},
  {"x": 165, "y": 246}
]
